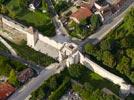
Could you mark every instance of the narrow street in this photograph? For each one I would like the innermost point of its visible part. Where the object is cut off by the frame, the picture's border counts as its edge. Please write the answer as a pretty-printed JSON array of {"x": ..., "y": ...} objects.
[
  {"x": 55, "y": 18},
  {"x": 36, "y": 82}
]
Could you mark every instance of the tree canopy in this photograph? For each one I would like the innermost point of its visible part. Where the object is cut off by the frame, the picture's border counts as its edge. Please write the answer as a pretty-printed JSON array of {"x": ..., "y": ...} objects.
[
  {"x": 76, "y": 70},
  {"x": 13, "y": 78}
]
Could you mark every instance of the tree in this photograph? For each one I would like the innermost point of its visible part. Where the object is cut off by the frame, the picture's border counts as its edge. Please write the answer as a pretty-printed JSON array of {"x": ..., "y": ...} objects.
[
  {"x": 95, "y": 21},
  {"x": 13, "y": 78},
  {"x": 99, "y": 55},
  {"x": 44, "y": 5},
  {"x": 105, "y": 45},
  {"x": 130, "y": 52},
  {"x": 132, "y": 63},
  {"x": 129, "y": 21},
  {"x": 5, "y": 68},
  {"x": 88, "y": 86},
  {"x": 3, "y": 9},
  {"x": 123, "y": 66},
  {"x": 76, "y": 70},
  {"x": 89, "y": 48},
  {"x": 124, "y": 43},
  {"x": 41, "y": 94},
  {"x": 56, "y": 95},
  {"x": 2, "y": 1},
  {"x": 132, "y": 77},
  {"x": 108, "y": 59},
  {"x": 22, "y": 3},
  {"x": 53, "y": 83}
]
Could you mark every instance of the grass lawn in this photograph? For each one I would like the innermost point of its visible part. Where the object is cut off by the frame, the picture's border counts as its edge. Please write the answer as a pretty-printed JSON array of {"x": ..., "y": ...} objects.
[
  {"x": 37, "y": 19},
  {"x": 31, "y": 55}
]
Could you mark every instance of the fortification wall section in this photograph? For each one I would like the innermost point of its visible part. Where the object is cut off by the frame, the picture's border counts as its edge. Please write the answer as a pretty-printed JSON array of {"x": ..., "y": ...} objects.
[
  {"x": 124, "y": 87},
  {"x": 14, "y": 25},
  {"x": 17, "y": 30},
  {"x": 12, "y": 30}
]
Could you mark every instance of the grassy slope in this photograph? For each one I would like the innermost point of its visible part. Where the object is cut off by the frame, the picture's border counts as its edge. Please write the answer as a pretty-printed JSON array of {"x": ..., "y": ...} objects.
[{"x": 37, "y": 19}]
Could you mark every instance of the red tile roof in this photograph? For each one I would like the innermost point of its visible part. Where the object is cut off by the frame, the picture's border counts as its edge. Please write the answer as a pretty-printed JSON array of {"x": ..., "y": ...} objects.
[
  {"x": 6, "y": 90},
  {"x": 82, "y": 13}
]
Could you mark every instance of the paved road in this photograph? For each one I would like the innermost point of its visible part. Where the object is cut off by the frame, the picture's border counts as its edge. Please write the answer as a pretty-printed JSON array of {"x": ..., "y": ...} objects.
[
  {"x": 58, "y": 24},
  {"x": 34, "y": 66},
  {"x": 27, "y": 89},
  {"x": 106, "y": 28}
]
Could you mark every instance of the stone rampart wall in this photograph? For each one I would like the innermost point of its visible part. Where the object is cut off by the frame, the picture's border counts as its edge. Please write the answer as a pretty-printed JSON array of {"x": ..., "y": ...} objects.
[
  {"x": 13, "y": 25},
  {"x": 124, "y": 87}
]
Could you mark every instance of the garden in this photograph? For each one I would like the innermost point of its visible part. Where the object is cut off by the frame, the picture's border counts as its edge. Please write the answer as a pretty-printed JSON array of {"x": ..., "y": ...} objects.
[
  {"x": 85, "y": 28},
  {"x": 19, "y": 10}
]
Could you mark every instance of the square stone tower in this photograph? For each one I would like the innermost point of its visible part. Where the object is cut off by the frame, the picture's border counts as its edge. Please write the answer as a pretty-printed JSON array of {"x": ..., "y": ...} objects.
[{"x": 32, "y": 36}]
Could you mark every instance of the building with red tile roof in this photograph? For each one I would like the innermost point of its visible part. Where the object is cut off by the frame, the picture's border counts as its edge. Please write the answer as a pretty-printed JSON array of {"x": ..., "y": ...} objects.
[
  {"x": 82, "y": 13},
  {"x": 6, "y": 90}
]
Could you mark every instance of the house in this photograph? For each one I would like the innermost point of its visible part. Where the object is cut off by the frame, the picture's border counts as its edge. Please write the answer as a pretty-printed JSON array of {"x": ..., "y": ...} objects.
[
  {"x": 102, "y": 8},
  {"x": 25, "y": 75},
  {"x": 6, "y": 90},
  {"x": 82, "y": 13}
]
